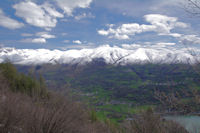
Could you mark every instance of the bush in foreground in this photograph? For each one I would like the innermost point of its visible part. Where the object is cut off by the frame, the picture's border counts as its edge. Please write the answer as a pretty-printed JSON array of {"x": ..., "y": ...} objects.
[{"x": 148, "y": 122}]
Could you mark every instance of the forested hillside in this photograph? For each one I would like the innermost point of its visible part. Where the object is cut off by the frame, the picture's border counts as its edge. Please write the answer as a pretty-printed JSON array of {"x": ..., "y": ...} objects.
[
  {"x": 27, "y": 106},
  {"x": 119, "y": 91}
]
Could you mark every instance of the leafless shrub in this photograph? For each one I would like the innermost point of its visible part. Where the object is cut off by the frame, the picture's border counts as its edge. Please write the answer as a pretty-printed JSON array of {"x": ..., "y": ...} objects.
[
  {"x": 193, "y": 7},
  {"x": 22, "y": 114},
  {"x": 174, "y": 103},
  {"x": 173, "y": 127},
  {"x": 148, "y": 122},
  {"x": 170, "y": 101},
  {"x": 56, "y": 116},
  {"x": 12, "y": 112},
  {"x": 3, "y": 83}
]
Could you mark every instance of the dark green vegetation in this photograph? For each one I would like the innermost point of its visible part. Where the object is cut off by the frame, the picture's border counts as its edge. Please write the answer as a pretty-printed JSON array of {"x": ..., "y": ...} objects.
[
  {"x": 19, "y": 82},
  {"x": 26, "y": 108},
  {"x": 118, "y": 92}
]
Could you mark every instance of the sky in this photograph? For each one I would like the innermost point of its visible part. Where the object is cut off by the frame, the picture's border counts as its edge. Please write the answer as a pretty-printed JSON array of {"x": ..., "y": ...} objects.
[{"x": 78, "y": 24}]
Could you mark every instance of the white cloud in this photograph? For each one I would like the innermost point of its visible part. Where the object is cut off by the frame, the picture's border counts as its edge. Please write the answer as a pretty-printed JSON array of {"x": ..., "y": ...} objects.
[
  {"x": 77, "y": 42},
  {"x": 64, "y": 20},
  {"x": 43, "y": 16},
  {"x": 26, "y": 34},
  {"x": 185, "y": 39},
  {"x": 103, "y": 32},
  {"x": 126, "y": 30},
  {"x": 47, "y": 29},
  {"x": 164, "y": 44},
  {"x": 40, "y": 37},
  {"x": 131, "y": 46},
  {"x": 81, "y": 16},
  {"x": 52, "y": 11},
  {"x": 64, "y": 34},
  {"x": 148, "y": 45},
  {"x": 34, "y": 40},
  {"x": 176, "y": 35},
  {"x": 8, "y": 22},
  {"x": 160, "y": 24},
  {"x": 77, "y": 46},
  {"x": 190, "y": 39},
  {"x": 164, "y": 24},
  {"x": 45, "y": 35},
  {"x": 69, "y": 5},
  {"x": 66, "y": 41},
  {"x": 120, "y": 37},
  {"x": 39, "y": 40},
  {"x": 84, "y": 15}
]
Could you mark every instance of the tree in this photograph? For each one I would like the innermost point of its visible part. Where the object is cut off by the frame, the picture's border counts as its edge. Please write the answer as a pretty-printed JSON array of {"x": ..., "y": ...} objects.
[
  {"x": 19, "y": 82},
  {"x": 193, "y": 7}
]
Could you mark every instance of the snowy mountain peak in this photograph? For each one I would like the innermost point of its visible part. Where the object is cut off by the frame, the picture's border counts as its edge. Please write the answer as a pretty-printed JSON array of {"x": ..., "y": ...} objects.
[{"x": 111, "y": 55}]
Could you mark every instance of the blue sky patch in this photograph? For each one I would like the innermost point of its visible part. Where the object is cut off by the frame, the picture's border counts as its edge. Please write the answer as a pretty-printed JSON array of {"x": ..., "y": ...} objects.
[{"x": 71, "y": 24}]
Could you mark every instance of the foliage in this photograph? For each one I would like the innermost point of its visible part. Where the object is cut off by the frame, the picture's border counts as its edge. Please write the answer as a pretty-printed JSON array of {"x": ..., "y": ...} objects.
[
  {"x": 19, "y": 82},
  {"x": 93, "y": 116}
]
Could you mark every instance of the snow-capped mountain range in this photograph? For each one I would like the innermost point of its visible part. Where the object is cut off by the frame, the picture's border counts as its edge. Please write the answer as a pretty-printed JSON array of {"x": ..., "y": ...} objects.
[{"x": 111, "y": 55}]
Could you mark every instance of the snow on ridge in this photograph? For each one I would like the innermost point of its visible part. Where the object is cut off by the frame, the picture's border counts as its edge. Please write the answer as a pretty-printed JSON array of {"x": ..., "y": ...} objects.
[{"x": 111, "y": 55}]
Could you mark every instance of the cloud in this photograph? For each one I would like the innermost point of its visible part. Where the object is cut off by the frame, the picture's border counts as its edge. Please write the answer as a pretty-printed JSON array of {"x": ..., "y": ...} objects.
[
  {"x": 66, "y": 41},
  {"x": 52, "y": 11},
  {"x": 160, "y": 24},
  {"x": 64, "y": 20},
  {"x": 164, "y": 24},
  {"x": 69, "y": 5},
  {"x": 39, "y": 40},
  {"x": 125, "y": 30},
  {"x": 8, "y": 22},
  {"x": 84, "y": 15},
  {"x": 164, "y": 44},
  {"x": 131, "y": 46},
  {"x": 34, "y": 40},
  {"x": 43, "y": 16},
  {"x": 64, "y": 34},
  {"x": 176, "y": 35},
  {"x": 77, "y": 42},
  {"x": 40, "y": 37},
  {"x": 120, "y": 37},
  {"x": 148, "y": 45},
  {"x": 185, "y": 39},
  {"x": 45, "y": 35},
  {"x": 26, "y": 34},
  {"x": 104, "y": 32},
  {"x": 82, "y": 46},
  {"x": 190, "y": 39}
]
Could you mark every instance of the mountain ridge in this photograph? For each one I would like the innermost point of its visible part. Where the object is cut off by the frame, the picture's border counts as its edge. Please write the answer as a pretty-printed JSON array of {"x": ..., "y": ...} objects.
[{"x": 110, "y": 55}]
